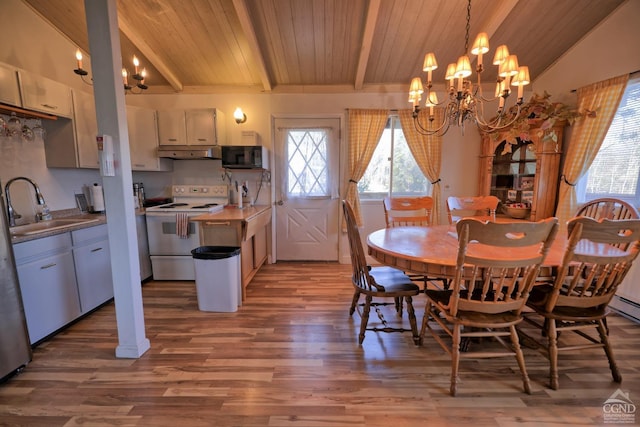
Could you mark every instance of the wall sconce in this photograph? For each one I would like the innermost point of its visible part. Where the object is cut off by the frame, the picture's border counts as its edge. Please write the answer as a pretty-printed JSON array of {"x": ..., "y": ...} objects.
[
  {"x": 138, "y": 76},
  {"x": 239, "y": 116}
]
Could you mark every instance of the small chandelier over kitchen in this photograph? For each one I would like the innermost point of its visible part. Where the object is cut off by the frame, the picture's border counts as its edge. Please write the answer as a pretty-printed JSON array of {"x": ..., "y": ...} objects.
[
  {"x": 138, "y": 75},
  {"x": 466, "y": 101}
]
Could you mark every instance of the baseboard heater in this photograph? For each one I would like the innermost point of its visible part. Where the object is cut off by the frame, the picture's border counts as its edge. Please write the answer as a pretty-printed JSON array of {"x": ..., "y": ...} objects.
[{"x": 626, "y": 307}]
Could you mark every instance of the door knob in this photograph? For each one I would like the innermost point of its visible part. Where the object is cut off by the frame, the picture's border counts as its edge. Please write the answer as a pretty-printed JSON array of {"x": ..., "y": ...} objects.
[{"x": 279, "y": 203}]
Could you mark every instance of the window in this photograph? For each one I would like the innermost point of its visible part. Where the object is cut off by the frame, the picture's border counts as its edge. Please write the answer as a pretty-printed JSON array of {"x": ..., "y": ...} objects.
[
  {"x": 393, "y": 171},
  {"x": 615, "y": 172}
]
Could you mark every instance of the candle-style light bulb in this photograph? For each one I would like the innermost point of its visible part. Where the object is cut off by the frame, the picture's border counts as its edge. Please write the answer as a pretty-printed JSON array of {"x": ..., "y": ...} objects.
[
  {"x": 125, "y": 75},
  {"x": 79, "y": 59},
  {"x": 136, "y": 63}
]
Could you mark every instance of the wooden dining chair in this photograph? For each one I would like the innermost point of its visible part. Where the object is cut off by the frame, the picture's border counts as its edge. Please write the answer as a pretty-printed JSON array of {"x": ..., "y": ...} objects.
[
  {"x": 608, "y": 208},
  {"x": 399, "y": 211},
  {"x": 597, "y": 258},
  {"x": 410, "y": 211},
  {"x": 496, "y": 266},
  {"x": 379, "y": 282},
  {"x": 471, "y": 206}
]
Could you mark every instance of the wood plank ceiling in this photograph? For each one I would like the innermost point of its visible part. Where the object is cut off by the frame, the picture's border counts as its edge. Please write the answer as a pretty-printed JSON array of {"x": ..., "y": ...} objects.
[{"x": 285, "y": 46}]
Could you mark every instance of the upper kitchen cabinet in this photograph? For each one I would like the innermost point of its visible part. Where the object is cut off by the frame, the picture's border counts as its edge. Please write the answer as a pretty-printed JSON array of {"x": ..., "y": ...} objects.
[
  {"x": 86, "y": 125},
  {"x": 9, "y": 89},
  {"x": 143, "y": 141},
  {"x": 72, "y": 143},
  {"x": 204, "y": 127},
  {"x": 44, "y": 95}
]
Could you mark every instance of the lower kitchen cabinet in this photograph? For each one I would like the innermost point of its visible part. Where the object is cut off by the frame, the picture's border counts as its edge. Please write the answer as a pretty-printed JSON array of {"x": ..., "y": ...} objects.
[
  {"x": 92, "y": 262},
  {"x": 251, "y": 233},
  {"x": 63, "y": 277},
  {"x": 48, "y": 284}
]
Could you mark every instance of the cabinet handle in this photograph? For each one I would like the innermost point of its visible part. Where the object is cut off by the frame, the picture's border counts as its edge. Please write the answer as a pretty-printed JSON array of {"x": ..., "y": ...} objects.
[
  {"x": 139, "y": 165},
  {"x": 44, "y": 267},
  {"x": 217, "y": 223},
  {"x": 172, "y": 139},
  {"x": 53, "y": 107},
  {"x": 202, "y": 139},
  {"x": 96, "y": 249}
]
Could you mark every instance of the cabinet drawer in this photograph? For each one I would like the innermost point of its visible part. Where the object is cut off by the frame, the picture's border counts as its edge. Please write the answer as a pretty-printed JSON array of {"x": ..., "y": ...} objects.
[
  {"x": 26, "y": 251},
  {"x": 98, "y": 232}
]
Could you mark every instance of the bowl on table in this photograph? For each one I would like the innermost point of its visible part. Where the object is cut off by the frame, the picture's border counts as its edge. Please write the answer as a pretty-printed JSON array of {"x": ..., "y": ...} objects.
[{"x": 517, "y": 210}]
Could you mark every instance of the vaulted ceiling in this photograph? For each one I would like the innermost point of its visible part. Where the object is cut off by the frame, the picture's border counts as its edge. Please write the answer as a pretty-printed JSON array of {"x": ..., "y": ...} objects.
[{"x": 289, "y": 46}]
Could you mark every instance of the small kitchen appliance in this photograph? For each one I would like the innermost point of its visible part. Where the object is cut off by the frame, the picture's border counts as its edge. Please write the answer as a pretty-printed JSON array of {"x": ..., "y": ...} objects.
[{"x": 170, "y": 233}]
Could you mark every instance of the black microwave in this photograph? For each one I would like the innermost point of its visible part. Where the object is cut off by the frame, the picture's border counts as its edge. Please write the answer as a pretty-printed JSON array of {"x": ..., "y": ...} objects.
[{"x": 245, "y": 157}]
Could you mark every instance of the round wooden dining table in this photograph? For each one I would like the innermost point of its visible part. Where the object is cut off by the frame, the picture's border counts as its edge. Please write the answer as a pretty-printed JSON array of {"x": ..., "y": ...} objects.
[{"x": 432, "y": 250}]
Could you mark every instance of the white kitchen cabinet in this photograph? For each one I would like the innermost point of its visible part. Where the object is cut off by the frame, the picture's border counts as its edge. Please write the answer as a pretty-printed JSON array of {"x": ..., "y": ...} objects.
[
  {"x": 143, "y": 247},
  {"x": 199, "y": 127},
  {"x": 143, "y": 141},
  {"x": 47, "y": 283},
  {"x": 92, "y": 262},
  {"x": 72, "y": 143},
  {"x": 45, "y": 95},
  {"x": 9, "y": 89},
  {"x": 86, "y": 125},
  {"x": 172, "y": 128}
]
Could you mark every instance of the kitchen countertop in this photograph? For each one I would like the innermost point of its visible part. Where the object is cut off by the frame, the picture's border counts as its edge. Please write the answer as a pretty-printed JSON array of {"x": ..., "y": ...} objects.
[
  {"x": 101, "y": 219},
  {"x": 73, "y": 213},
  {"x": 232, "y": 213}
]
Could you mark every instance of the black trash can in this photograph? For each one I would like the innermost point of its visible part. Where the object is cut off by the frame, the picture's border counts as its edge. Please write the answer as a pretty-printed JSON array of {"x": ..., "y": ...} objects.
[{"x": 218, "y": 278}]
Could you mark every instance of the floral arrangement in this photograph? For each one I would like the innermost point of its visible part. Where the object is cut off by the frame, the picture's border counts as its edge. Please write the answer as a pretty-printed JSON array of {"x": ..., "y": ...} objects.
[{"x": 538, "y": 114}]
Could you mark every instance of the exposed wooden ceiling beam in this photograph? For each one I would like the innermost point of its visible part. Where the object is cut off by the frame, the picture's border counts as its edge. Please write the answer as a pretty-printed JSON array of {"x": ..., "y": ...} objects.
[
  {"x": 247, "y": 26},
  {"x": 149, "y": 53},
  {"x": 367, "y": 38},
  {"x": 500, "y": 12}
]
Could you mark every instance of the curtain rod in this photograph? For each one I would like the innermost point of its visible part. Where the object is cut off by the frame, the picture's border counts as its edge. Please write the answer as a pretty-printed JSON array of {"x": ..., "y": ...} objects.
[{"x": 631, "y": 74}]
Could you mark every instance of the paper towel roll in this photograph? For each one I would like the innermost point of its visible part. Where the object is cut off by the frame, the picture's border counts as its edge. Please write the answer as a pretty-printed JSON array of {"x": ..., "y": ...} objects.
[{"x": 97, "y": 198}]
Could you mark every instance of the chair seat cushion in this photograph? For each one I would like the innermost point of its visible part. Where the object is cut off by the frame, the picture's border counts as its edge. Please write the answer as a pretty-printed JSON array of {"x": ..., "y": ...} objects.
[
  {"x": 504, "y": 318},
  {"x": 393, "y": 280},
  {"x": 538, "y": 298}
]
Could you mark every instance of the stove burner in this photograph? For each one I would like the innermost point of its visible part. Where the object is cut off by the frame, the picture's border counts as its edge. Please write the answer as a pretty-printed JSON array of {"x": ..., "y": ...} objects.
[
  {"x": 207, "y": 205},
  {"x": 175, "y": 205}
]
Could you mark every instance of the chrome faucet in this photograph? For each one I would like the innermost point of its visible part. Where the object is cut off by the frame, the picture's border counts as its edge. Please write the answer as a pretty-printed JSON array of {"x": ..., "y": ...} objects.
[{"x": 13, "y": 215}]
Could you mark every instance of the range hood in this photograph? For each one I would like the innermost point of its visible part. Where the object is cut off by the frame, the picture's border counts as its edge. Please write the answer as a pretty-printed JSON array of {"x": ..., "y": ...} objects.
[{"x": 190, "y": 152}]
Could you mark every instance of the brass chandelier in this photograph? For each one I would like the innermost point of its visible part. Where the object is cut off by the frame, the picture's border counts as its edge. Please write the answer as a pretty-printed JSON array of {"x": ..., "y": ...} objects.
[{"x": 465, "y": 100}]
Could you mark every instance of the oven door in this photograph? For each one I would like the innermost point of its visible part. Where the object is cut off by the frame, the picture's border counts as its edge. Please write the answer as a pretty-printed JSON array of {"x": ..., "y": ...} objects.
[{"x": 163, "y": 240}]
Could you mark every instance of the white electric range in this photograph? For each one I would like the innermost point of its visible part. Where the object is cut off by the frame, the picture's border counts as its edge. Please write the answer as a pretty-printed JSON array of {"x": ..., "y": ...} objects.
[{"x": 172, "y": 236}]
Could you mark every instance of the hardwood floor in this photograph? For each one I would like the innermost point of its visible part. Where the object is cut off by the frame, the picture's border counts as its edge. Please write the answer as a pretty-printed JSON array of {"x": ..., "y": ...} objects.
[{"x": 289, "y": 357}]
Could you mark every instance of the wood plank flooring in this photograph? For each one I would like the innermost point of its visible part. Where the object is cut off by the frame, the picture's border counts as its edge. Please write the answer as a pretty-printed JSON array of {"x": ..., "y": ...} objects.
[{"x": 289, "y": 357}]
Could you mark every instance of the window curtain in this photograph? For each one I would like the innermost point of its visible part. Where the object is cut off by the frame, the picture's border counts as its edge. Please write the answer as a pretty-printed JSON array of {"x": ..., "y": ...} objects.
[
  {"x": 427, "y": 150},
  {"x": 601, "y": 98},
  {"x": 365, "y": 130}
]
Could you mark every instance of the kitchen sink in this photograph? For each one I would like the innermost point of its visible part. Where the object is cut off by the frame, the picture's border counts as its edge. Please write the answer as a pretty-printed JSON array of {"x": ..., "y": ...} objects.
[{"x": 46, "y": 226}]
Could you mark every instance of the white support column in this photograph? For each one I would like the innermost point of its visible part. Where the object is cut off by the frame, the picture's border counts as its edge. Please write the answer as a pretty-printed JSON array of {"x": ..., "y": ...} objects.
[{"x": 106, "y": 64}]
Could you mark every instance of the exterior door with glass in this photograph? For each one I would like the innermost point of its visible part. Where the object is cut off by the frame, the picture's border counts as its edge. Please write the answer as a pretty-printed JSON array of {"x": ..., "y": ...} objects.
[{"x": 307, "y": 189}]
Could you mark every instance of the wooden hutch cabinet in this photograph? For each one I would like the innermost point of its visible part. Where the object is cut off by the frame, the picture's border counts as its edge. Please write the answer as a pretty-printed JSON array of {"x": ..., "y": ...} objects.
[{"x": 529, "y": 172}]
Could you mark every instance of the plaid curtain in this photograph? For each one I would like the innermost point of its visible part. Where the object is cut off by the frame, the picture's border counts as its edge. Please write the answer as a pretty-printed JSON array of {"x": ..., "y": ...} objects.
[
  {"x": 602, "y": 98},
  {"x": 365, "y": 130},
  {"x": 427, "y": 150}
]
